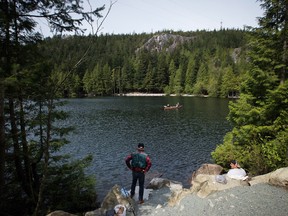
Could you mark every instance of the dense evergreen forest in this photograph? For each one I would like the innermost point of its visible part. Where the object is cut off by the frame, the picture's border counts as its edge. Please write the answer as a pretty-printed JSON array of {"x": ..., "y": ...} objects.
[
  {"x": 201, "y": 63},
  {"x": 35, "y": 72}
]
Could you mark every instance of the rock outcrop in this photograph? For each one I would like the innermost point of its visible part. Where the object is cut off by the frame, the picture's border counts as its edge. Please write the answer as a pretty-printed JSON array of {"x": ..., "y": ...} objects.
[
  {"x": 113, "y": 198},
  {"x": 278, "y": 177},
  {"x": 164, "y": 42},
  {"x": 60, "y": 213},
  {"x": 204, "y": 183},
  {"x": 208, "y": 169},
  {"x": 176, "y": 189}
]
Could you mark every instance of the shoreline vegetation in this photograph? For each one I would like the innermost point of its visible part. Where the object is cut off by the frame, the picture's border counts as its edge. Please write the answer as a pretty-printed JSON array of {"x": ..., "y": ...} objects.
[
  {"x": 141, "y": 94},
  {"x": 157, "y": 94}
]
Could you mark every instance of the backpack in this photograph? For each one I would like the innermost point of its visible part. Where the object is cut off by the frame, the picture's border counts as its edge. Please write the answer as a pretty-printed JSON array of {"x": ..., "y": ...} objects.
[{"x": 139, "y": 160}]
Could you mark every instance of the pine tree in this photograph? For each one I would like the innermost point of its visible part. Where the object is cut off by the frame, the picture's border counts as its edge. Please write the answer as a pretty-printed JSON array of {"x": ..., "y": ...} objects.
[
  {"x": 172, "y": 71},
  {"x": 259, "y": 137},
  {"x": 178, "y": 81},
  {"x": 28, "y": 137},
  {"x": 189, "y": 79}
]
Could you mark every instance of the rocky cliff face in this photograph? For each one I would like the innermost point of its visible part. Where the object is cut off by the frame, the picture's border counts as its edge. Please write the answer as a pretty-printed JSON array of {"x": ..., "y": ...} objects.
[
  {"x": 168, "y": 42},
  {"x": 164, "y": 42}
]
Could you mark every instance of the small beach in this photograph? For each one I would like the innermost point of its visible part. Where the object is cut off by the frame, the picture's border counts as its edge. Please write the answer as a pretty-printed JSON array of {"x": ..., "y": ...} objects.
[{"x": 156, "y": 94}]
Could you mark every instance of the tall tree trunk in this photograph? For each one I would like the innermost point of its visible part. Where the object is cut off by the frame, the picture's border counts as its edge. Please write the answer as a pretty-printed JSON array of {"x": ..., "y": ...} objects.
[
  {"x": 15, "y": 138},
  {"x": 2, "y": 140},
  {"x": 46, "y": 157},
  {"x": 284, "y": 70},
  {"x": 27, "y": 160},
  {"x": 6, "y": 60},
  {"x": 285, "y": 50}
]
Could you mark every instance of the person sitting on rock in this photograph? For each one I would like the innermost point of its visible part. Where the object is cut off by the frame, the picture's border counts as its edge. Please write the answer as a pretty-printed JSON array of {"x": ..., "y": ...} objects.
[{"x": 236, "y": 172}]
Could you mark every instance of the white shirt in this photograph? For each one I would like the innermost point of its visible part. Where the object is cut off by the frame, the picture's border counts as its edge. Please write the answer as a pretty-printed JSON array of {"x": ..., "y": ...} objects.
[
  {"x": 237, "y": 173},
  {"x": 117, "y": 207}
]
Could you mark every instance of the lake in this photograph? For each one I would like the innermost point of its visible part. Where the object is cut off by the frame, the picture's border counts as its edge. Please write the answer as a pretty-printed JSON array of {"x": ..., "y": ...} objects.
[{"x": 178, "y": 141}]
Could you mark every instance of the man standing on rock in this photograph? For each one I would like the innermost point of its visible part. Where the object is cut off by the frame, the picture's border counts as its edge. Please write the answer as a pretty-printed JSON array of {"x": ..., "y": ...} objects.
[{"x": 140, "y": 164}]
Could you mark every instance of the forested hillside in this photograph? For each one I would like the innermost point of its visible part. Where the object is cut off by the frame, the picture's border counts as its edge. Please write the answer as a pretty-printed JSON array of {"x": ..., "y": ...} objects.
[
  {"x": 202, "y": 63},
  {"x": 35, "y": 71}
]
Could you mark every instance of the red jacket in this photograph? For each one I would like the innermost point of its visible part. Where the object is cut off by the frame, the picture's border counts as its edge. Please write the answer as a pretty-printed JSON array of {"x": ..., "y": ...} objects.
[{"x": 138, "y": 169}]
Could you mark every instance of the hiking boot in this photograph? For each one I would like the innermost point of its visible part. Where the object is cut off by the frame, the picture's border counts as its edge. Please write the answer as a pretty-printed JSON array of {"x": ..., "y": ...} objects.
[{"x": 141, "y": 202}]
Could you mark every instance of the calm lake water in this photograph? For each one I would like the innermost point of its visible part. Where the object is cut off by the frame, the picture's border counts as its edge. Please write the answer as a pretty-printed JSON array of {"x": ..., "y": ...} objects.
[{"x": 178, "y": 141}]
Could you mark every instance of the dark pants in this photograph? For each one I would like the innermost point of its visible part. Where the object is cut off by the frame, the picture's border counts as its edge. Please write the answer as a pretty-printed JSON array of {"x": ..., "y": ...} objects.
[{"x": 140, "y": 176}]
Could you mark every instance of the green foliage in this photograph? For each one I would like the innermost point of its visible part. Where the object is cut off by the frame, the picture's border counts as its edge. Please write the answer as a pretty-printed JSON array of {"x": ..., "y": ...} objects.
[
  {"x": 178, "y": 81},
  {"x": 230, "y": 82},
  {"x": 69, "y": 189},
  {"x": 31, "y": 80},
  {"x": 201, "y": 85},
  {"x": 172, "y": 72},
  {"x": 226, "y": 152},
  {"x": 260, "y": 119},
  {"x": 200, "y": 63},
  {"x": 260, "y": 128}
]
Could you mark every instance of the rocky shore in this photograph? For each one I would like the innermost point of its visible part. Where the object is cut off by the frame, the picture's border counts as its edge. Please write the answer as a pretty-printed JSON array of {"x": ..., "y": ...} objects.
[
  {"x": 257, "y": 200},
  {"x": 261, "y": 195}
]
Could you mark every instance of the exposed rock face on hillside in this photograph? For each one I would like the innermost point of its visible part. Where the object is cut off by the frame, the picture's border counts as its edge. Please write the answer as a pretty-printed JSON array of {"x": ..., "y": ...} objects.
[
  {"x": 164, "y": 42},
  {"x": 235, "y": 54}
]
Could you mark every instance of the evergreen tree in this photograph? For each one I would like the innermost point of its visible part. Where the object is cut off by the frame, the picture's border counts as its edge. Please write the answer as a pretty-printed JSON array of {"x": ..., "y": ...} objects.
[
  {"x": 98, "y": 80},
  {"x": 123, "y": 51},
  {"x": 189, "y": 79},
  {"x": 28, "y": 134},
  {"x": 202, "y": 80},
  {"x": 148, "y": 83},
  {"x": 107, "y": 84},
  {"x": 127, "y": 75},
  {"x": 230, "y": 83},
  {"x": 259, "y": 137},
  {"x": 141, "y": 65},
  {"x": 172, "y": 71},
  {"x": 162, "y": 78},
  {"x": 178, "y": 81}
]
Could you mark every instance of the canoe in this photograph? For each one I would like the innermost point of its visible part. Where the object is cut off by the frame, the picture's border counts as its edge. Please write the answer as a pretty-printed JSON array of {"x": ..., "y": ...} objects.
[{"x": 172, "y": 107}]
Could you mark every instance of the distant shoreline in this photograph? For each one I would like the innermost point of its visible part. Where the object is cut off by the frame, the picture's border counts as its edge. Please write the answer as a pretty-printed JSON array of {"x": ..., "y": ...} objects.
[
  {"x": 154, "y": 94},
  {"x": 141, "y": 94}
]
